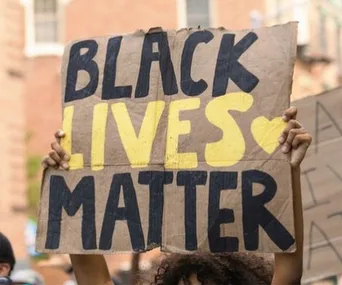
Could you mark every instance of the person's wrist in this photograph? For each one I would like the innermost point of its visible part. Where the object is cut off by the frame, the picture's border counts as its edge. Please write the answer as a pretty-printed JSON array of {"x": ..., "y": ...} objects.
[{"x": 295, "y": 168}]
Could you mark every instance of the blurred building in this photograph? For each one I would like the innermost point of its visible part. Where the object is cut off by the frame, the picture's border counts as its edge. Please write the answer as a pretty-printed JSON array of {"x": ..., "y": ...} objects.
[
  {"x": 12, "y": 125},
  {"x": 319, "y": 63}
]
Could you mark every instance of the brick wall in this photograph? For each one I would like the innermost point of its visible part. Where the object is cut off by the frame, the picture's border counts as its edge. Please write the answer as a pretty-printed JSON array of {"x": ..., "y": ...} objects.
[
  {"x": 86, "y": 18},
  {"x": 12, "y": 126},
  {"x": 42, "y": 102}
]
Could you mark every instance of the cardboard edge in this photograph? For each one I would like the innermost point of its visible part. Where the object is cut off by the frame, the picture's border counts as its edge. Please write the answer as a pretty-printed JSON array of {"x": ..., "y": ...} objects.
[
  {"x": 157, "y": 29},
  {"x": 94, "y": 251},
  {"x": 293, "y": 55},
  {"x": 38, "y": 235}
]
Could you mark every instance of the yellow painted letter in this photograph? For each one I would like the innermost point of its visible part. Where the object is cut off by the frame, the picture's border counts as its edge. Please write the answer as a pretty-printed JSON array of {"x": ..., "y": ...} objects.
[
  {"x": 76, "y": 160},
  {"x": 98, "y": 136},
  {"x": 231, "y": 148},
  {"x": 138, "y": 148},
  {"x": 173, "y": 159}
]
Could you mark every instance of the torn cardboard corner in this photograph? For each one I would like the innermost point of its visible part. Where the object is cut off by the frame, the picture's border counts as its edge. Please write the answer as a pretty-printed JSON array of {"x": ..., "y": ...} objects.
[
  {"x": 173, "y": 138},
  {"x": 155, "y": 30}
]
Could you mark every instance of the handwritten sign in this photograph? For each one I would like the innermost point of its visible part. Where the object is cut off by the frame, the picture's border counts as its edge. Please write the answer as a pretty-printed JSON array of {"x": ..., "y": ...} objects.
[
  {"x": 322, "y": 185},
  {"x": 173, "y": 139}
]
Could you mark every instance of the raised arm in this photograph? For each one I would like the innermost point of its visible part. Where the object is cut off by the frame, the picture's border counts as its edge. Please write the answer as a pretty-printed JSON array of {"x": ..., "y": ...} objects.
[
  {"x": 295, "y": 141},
  {"x": 91, "y": 270}
]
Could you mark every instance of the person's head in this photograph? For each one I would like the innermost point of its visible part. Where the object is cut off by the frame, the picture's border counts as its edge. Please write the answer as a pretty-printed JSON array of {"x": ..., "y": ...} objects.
[
  {"x": 214, "y": 269},
  {"x": 7, "y": 259}
]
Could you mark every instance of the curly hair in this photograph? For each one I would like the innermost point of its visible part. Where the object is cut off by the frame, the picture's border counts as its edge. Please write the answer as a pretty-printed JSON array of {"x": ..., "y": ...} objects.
[{"x": 219, "y": 269}]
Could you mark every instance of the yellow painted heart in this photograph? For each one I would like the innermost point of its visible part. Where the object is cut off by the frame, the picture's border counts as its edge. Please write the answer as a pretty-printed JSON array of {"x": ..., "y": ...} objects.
[{"x": 266, "y": 133}]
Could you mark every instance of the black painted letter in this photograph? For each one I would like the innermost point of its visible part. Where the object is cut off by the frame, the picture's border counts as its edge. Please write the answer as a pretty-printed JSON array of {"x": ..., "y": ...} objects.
[
  {"x": 190, "y": 179},
  {"x": 156, "y": 180},
  {"x": 189, "y": 86},
  {"x": 77, "y": 62},
  {"x": 228, "y": 66},
  {"x": 254, "y": 212},
  {"x": 220, "y": 181},
  {"x": 130, "y": 213},
  {"x": 166, "y": 67},
  {"x": 61, "y": 197},
  {"x": 109, "y": 90}
]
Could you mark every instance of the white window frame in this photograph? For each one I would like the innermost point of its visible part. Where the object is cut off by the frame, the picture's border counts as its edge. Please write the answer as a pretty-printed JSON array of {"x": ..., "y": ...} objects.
[
  {"x": 182, "y": 14},
  {"x": 33, "y": 49}
]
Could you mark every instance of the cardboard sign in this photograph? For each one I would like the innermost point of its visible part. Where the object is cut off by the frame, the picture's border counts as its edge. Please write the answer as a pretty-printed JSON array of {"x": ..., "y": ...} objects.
[
  {"x": 322, "y": 185},
  {"x": 173, "y": 139}
]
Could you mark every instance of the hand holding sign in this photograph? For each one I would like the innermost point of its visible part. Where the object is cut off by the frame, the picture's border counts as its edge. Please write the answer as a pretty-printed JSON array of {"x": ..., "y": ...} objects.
[
  {"x": 295, "y": 139},
  {"x": 57, "y": 157}
]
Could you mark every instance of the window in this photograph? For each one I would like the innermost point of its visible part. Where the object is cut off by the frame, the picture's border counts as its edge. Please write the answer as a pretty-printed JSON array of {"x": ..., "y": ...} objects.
[
  {"x": 197, "y": 13},
  {"x": 46, "y": 21}
]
